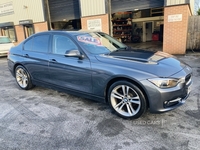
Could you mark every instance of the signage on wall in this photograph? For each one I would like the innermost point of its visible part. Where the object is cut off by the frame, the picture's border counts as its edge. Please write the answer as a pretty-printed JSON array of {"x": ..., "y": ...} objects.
[
  {"x": 175, "y": 18},
  {"x": 24, "y": 22},
  {"x": 6, "y": 24},
  {"x": 94, "y": 24},
  {"x": 6, "y": 9}
]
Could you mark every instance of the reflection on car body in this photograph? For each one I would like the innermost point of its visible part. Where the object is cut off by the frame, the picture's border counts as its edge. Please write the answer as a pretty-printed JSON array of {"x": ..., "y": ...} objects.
[{"x": 96, "y": 66}]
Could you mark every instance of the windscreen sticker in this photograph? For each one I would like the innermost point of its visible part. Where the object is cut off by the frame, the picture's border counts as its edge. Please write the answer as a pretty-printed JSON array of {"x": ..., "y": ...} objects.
[{"x": 89, "y": 40}]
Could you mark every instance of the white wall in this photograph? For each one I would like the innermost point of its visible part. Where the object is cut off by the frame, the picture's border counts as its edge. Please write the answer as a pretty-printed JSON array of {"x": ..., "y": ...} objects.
[
  {"x": 178, "y": 2},
  {"x": 23, "y": 10},
  {"x": 92, "y": 7}
]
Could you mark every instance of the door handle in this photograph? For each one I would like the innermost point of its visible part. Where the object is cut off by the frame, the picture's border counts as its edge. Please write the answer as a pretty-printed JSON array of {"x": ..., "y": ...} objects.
[
  {"x": 26, "y": 55},
  {"x": 53, "y": 60}
]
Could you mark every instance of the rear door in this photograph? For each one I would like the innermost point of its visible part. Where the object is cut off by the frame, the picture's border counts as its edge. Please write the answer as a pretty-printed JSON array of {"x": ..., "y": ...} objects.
[
  {"x": 68, "y": 72},
  {"x": 35, "y": 54}
]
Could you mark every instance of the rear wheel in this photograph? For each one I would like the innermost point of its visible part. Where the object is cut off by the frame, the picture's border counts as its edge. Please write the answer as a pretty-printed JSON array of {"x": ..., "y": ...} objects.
[
  {"x": 23, "y": 78},
  {"x": 126, "y": 99}
]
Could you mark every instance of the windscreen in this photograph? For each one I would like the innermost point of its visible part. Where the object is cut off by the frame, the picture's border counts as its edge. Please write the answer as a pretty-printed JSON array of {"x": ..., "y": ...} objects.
[
  {"x": 99, "y": 43},
  {"x": 4, "y": 40}
]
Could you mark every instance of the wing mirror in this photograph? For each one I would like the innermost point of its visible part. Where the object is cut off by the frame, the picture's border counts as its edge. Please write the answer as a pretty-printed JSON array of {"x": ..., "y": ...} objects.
[{"x": 74, "y": 53}]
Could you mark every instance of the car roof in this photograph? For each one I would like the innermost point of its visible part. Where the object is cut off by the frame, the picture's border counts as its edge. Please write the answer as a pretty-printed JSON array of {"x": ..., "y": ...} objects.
[{"x": 68, "y": 32}]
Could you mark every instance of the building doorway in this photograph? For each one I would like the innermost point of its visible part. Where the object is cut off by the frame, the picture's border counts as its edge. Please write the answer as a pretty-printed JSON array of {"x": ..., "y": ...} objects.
[
  {"x": 74, "y": 24},
  {"x": 28, "y": 27},
  {"x": 28, "y": 30},
  {"x": 147, "y": 31}
]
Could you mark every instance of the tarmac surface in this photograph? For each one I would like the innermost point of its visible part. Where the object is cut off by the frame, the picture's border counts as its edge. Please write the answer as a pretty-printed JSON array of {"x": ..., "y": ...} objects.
[{"x": 44, "y": 119}]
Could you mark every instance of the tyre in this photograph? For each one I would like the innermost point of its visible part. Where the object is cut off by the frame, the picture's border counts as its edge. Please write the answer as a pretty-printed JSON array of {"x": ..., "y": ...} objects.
[
  {"x": 126, "y": 99},
  {"x": 23, "y": 78}
]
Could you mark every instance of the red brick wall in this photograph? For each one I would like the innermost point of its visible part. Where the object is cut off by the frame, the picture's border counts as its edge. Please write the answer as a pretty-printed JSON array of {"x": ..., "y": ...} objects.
[
  {"x": 37, "y": 26},
  {"x": 40, "y": 27},
  {"x": 19, "y": 33},
  {"x": 104, "y": 22},
  {"x": 175, "y": 33}
]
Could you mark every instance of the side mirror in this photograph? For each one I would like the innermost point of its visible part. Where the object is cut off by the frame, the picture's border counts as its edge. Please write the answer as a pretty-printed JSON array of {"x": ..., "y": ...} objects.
[{"x": 74, "y": 53}]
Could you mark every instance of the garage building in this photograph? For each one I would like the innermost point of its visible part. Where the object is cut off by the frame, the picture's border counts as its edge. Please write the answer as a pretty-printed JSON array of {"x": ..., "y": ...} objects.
[{"x": 127, "y": 20}]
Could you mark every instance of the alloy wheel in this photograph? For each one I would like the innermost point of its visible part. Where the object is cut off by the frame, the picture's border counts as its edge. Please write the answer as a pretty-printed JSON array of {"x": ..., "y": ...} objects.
[
  {"x": 125, "y": 100},
  {"x": 22, "y": 77}
]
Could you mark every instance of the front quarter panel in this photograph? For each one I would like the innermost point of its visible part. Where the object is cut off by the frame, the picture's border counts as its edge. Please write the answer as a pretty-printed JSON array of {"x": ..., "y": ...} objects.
[{"x": 103, "y": 73}]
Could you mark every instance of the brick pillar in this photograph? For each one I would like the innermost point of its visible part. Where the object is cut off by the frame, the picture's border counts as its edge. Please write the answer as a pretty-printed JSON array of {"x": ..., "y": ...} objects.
[
  {"x": 19, "y": 33},
  {"x": 104, "y": 22},
  {"x": 39, "y": 27},
  {"x": 175, "y": 28}
]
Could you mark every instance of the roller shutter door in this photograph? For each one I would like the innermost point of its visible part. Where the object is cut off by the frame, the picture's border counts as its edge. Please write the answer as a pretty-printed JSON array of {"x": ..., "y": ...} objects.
[
  {"x": 64, "y": 9},
  {"x": 130, "y": 5}
]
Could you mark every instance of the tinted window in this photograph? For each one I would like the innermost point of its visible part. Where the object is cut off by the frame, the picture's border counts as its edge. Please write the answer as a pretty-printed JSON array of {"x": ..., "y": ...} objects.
[
  {"x": 28, "y": 45},
  {"x": 38, "y": 44},
  {"x": 61, "y": 44},
  {"x": 41, "y": 43}
]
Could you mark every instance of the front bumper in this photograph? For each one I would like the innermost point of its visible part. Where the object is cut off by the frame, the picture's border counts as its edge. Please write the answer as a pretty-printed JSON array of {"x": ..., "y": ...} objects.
[{"x": 162, "y": 100}]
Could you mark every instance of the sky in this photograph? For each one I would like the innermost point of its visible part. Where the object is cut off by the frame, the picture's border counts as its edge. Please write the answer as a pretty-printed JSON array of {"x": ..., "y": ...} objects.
[
  {"x": 197, "y": 2},
  {"x": 196, "y": 5}
]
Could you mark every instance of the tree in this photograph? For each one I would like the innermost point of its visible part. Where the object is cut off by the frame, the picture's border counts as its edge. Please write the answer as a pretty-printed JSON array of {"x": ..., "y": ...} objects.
[
  {"x": 198, "y": 12},
  {"x": 197, "y": 7}
]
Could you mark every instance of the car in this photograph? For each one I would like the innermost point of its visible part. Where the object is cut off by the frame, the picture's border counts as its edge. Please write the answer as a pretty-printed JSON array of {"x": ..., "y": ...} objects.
[
  {"x": 5, "y": 45},
  {"x": 94, "y": 65}
]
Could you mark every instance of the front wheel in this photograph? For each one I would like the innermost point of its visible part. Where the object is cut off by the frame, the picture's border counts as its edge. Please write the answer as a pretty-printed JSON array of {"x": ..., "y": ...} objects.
[
  {"x": 23, "y": 78},
  {"x": 126, "y": 99}
]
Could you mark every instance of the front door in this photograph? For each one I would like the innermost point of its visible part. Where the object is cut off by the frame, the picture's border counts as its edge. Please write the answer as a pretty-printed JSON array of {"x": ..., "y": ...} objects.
[{"x": 68, "y": 72}]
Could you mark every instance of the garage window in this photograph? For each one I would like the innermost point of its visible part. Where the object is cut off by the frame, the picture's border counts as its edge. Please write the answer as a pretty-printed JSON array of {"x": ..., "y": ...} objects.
[{"x": 10, "y": 32}]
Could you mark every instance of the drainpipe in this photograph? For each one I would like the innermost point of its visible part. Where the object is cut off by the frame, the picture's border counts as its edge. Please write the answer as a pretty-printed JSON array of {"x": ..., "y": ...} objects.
[
  {"x": 109, "y": 17},
  {"x": 48, "y": 14}
]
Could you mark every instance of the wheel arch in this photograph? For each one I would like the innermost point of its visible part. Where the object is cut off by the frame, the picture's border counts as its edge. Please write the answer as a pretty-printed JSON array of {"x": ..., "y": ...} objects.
[
  {"x": 129, "y": 80},
  {"x": 29, "y": 78},
  {"x": 20, "y": 64},
  {"x": 15, "y": 66}
]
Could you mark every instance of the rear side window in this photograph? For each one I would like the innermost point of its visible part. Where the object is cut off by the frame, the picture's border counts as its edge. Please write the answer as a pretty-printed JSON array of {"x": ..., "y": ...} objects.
[
  {"x": 28, "y": 45},
  {"x": 38, "y": 44}
]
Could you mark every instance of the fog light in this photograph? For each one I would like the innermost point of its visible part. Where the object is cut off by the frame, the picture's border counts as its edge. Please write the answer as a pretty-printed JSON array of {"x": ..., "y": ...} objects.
[{"x": 165, "y": 102}]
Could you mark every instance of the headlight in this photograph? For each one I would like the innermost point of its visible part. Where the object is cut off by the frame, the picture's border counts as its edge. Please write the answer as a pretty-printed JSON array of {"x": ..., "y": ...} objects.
[{"x": 165, "y": 82}]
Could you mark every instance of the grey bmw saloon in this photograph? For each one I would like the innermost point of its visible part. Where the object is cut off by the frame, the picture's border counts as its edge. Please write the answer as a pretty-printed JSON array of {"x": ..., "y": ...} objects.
[{"x": 96, "y": 66}]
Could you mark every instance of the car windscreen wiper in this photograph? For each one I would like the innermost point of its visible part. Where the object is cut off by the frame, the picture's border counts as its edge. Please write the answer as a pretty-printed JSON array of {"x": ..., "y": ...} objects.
[{"x": 122, "y": 48}]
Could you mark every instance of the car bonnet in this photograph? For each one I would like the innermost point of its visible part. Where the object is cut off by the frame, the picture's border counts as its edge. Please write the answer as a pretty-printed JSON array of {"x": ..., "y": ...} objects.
[{"x": 156, "y": 63}]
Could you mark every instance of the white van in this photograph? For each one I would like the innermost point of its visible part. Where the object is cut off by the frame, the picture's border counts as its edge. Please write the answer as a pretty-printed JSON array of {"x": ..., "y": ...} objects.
[{"x": 5, "y": 45}]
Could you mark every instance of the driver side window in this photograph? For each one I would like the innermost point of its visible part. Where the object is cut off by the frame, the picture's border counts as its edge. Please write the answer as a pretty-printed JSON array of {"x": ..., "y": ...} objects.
[{"x": 62, "y": 44}]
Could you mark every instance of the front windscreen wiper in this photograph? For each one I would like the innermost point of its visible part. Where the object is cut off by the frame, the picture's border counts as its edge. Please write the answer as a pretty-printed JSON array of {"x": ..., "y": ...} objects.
[{"x": 122, "y": 48}]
